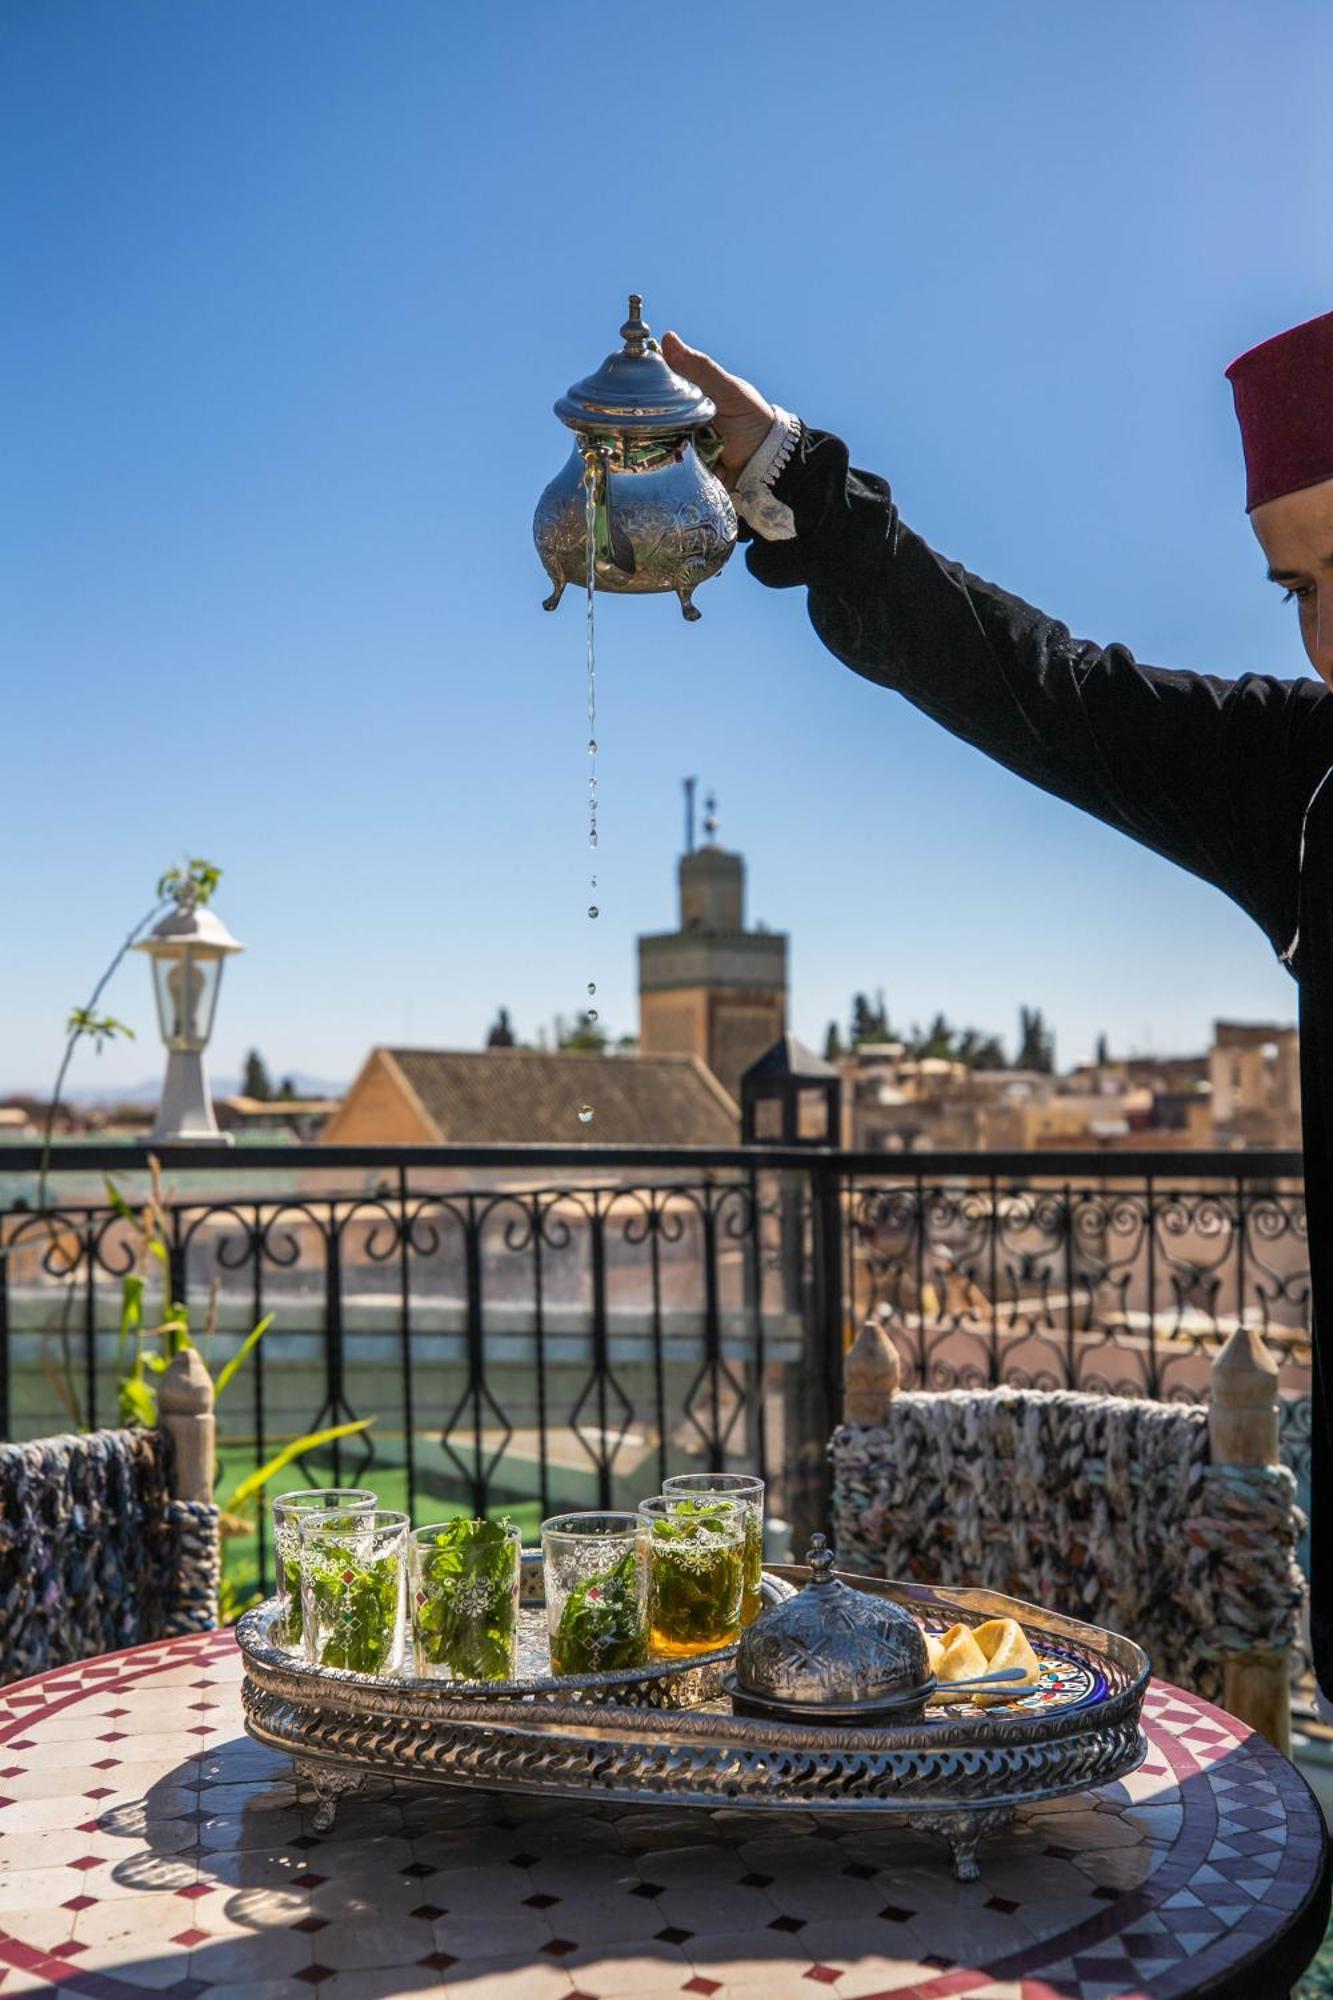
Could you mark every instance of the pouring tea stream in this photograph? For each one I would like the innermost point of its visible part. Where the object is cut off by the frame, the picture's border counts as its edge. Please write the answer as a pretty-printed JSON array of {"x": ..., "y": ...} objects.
[{"x": 636, "y": 506}]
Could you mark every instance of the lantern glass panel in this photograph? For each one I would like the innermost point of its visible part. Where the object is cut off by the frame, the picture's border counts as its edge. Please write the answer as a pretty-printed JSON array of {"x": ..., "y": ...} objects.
[{"x": 186, "y": 983}]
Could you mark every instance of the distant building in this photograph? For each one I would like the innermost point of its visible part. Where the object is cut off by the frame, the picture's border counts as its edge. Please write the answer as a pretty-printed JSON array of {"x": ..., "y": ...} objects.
[
  {"x": 294, "y": 1117},
  {"x": 712, "y": 989},
  {"x": 1255, "y": 1072},
  {"x": 501, "y": 1096}
]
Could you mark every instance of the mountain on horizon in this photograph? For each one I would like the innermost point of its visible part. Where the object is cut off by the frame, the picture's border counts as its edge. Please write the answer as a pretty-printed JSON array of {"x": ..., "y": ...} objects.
[{"x": 148, "y": 1092}]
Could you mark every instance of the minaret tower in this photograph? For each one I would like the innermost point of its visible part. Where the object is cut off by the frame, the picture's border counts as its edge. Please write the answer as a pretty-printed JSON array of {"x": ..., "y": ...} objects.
[{"x": 712, "y": 988}]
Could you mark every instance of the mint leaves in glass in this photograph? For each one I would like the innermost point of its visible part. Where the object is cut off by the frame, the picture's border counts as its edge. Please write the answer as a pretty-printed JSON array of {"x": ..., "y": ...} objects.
[
  {"x": 463, "y": 1583},
  {"x": 352, "y": 1589},
  {"x": 696, "y": 1572},
  {"x": 594, "y": 1593},
  {"x": 289, "y": 1510},
  {"x": 749, "y": 1491}
]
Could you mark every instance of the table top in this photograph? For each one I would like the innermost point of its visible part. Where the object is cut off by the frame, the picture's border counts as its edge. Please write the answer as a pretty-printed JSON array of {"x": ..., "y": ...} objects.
[{"x": 148, "y": 1847}]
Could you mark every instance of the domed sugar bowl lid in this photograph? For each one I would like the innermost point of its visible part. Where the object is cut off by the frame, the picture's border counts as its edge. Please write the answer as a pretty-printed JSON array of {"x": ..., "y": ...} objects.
[
  {"x": 832, "y": 1653},
  {"x": 634, "y": 390}
]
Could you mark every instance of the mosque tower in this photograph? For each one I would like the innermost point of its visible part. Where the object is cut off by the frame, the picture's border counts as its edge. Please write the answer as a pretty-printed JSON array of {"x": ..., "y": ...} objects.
[{"x": 712, "y": 989}]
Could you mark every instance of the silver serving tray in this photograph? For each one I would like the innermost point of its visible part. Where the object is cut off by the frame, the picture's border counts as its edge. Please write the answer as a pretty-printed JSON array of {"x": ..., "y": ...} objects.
[{"x": 960, "y": 1772}]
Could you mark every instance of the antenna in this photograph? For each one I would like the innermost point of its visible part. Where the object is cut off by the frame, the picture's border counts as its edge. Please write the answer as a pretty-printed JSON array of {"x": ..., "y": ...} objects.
[{"x": 689, "y": 785}]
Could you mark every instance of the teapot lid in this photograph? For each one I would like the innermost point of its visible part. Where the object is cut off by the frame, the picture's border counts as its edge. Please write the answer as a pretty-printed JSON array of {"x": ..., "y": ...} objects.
[
  {"x": 831, "y": 1647},
  {"x": 634, "y": 390}
]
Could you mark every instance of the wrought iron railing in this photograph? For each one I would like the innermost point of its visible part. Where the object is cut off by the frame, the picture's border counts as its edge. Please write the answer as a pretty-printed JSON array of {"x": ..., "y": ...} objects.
[{"x": 562, "y": 1326}]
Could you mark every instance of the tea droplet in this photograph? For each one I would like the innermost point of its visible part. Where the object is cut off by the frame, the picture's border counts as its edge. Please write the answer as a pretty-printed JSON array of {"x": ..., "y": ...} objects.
[
  {"x": 592, "y": 1013},
  {"x": 592, "y": 909},
  {"x": 592, "y": 986},
  {"x": 592, "y": 746},
  {"x": 585, "y": 1114},
  {"x": 592, "y": 836}
]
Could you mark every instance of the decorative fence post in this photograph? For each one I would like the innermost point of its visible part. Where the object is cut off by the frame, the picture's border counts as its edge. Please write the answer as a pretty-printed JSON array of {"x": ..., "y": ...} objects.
[
  {"x": 185, "y": 1413},
  {"x": 1243, "y": 1430},
  {"x": 185, "y": 1410},
  {"x": 872, "y": 1375}
]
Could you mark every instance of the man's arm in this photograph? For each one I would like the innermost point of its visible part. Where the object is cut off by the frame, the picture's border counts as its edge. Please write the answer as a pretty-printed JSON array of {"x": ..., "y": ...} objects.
[
  {"x": 1213, "y": 774},
  {"x": 1216, "y": 775}
]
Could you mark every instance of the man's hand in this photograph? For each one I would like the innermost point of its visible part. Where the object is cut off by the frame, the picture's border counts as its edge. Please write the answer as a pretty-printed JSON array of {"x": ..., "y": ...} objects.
[{"x": 743, "y": 417}]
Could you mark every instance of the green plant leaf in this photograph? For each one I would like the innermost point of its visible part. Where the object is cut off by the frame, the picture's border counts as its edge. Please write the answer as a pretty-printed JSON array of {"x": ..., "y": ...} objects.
[
  {"x": 131, "y": 1309},
  {"x": 297, "y": 1449},
  {"x": 136, "y": 1402},
  {"x": 119, "y": 1203},
  {"x": 251, "y": 1341}
]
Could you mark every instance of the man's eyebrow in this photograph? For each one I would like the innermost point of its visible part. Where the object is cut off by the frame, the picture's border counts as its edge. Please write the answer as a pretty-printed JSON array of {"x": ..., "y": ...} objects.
[{"x": 1292, "y": 575}]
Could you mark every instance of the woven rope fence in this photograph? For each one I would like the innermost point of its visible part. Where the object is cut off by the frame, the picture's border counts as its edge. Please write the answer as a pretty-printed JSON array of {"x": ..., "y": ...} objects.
[
  {"x": 95, "y": 1553},
  {"x": 1102, "y": 1507}
]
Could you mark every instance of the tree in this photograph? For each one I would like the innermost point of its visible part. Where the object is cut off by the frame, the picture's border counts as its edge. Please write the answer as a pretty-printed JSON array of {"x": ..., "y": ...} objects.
[
  {"x": 287, "y": 1089},
  {"x": 501, "y": 1035},
  {"x": 832, "y": 1043},
  {"x": 586, "y": 1034},
  {"x": 869, "y": 1024},
  {"x": 938, "y": 1040},
  {"x": 1036, "y": 1042},
  {"x": 1103, "y": 1055},
  {"x": 255, "y": 1080}
]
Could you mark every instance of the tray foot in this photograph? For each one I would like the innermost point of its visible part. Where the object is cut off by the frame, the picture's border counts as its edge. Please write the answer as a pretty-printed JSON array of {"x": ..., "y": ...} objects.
[
  {"x": 329, "y": 1784},
  {"x": 963, "y": 1831}
]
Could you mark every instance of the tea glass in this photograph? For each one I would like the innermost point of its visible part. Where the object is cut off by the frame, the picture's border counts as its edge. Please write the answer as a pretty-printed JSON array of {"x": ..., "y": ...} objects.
[
  {"x": 353, "y": 1598},
  {"x": 749, "y": 1490},
  {"x": 595, "y": 1605},
  {"x": 695, "y": 1547},
  {"x": 289, "y": 1510},
  {"x": 463, "y": 1579}
]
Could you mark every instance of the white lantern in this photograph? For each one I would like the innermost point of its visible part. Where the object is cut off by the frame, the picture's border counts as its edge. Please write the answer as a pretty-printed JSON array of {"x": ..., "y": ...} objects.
[{"x": 187, "y": 950}]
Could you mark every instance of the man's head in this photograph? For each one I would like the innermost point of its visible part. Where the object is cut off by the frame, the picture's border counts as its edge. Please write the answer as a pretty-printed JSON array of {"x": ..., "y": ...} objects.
[{"x": 1284, "y": 404}]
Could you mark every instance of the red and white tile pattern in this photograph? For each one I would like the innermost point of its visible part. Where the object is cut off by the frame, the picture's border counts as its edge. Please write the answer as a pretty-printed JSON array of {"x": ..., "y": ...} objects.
[{"x": 149, "y": 1849}]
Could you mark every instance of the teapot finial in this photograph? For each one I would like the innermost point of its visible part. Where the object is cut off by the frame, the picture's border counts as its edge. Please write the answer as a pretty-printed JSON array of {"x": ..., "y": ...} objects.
[
  {"x": 821, "y": 1559},
  {"x": 636, "y": 335}
]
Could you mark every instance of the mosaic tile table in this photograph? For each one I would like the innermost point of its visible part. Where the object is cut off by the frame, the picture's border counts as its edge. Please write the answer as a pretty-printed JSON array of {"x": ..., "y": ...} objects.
[{"x": 147, "y": 1847}]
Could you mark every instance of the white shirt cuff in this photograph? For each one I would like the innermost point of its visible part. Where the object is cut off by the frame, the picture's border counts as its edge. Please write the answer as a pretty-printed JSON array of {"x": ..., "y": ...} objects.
[{"x": 753, "y": 492}]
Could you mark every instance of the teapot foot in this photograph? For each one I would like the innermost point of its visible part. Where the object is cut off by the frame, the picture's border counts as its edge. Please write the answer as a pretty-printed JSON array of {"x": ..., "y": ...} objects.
[
  {"x": 549, "y": 603},
  {"x": 688, "y": 610}
]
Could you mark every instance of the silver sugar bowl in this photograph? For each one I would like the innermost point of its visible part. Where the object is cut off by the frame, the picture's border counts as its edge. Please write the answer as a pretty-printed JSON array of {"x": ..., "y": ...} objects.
[
  {"x": 661, "y": 520},
  {"x": 832, "y": 1654}
]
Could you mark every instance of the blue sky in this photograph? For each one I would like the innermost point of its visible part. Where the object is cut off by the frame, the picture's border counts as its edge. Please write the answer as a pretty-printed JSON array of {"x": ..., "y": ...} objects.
[{"x": 291, "y": 287}]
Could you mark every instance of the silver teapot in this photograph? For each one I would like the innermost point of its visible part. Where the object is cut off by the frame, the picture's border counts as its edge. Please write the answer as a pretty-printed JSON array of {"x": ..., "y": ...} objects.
[{"x": 638, "y": 481}]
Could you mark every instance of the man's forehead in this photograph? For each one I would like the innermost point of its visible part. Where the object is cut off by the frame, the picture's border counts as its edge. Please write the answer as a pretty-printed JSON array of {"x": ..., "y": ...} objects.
[{"x": 1296, "y": 531}]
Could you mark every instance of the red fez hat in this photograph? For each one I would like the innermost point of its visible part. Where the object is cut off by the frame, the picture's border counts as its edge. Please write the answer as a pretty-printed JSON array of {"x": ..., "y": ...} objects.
[{"x": 1284, "y": 405}]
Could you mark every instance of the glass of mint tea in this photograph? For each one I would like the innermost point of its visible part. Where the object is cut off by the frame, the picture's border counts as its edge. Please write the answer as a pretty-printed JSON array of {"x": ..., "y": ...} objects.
[
  {"x": 289, "y": 1510},
  {"x": 695, "y": 1547},
  {"x": 749, "y": 1491},
  {"x": 353, "y": 1597},
  {"x": 594, "y": 1578},
  {"x": 463, "y": 1579}
]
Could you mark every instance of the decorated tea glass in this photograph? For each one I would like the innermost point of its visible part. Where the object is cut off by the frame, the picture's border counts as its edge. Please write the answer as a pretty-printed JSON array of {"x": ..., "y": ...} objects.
[
  {"x": 695, "y": 1547},
  {"x": 749, "y": 1490},
  {"x": 289, "y": 1510},
  {"x": 595, "y": 1607},
  {"x": 352, "y": 1589},
  {"x": 463, "y": 1597}
]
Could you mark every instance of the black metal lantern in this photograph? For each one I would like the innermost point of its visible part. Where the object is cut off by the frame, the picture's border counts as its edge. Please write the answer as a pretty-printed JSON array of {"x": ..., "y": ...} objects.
[{"x": 791, "y": 1097}]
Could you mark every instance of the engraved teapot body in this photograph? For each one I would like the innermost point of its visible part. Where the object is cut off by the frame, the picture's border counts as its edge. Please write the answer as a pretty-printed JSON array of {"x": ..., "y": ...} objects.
[{"x": 661, "y": 520}]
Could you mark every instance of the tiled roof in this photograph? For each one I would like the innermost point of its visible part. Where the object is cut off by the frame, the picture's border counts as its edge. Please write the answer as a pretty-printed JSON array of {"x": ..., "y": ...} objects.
[{"x": 509, "y": 1096}]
